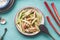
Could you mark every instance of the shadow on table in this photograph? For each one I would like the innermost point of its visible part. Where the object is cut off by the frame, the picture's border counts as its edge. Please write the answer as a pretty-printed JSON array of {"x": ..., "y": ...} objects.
[{"x": 39, "y": 35}]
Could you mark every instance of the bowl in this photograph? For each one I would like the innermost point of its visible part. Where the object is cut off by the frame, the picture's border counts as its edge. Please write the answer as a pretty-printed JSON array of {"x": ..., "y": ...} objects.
[
  {"x": 18, "y": 27},
  {"x": 7, "y": 6},
  {"x": 3, "y": 3}
]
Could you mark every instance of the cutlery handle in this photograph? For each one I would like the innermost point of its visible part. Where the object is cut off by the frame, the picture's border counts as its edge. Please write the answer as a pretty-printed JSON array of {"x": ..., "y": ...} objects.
[
  {"x": 51, "y": 37},
  {"x": 4, "y": 34},
  {"x": 45, "y": 30}
]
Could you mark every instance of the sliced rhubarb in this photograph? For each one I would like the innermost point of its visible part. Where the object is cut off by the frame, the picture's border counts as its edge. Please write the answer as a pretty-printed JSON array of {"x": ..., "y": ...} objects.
[
  {"x": 48, "y": 19},
  {"x": 55, "y": 10},
  {"x": 47, "y": 6}
]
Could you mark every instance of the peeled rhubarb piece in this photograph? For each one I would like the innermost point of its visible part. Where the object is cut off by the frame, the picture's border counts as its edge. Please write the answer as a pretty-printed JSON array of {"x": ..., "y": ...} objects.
[
  {"x": 55, "y": 10},
  {"x": 47, "y": 6},
  {"x": 48, "y": 19}
]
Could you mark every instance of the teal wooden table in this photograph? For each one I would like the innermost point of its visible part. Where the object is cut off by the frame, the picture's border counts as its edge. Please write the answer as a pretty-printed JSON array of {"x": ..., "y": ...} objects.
[{"x": 13, "y": 34}]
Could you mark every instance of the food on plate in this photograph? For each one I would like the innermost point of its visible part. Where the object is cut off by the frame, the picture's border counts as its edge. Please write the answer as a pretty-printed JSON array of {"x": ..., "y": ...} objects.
[{"x": 29, "y": 20}]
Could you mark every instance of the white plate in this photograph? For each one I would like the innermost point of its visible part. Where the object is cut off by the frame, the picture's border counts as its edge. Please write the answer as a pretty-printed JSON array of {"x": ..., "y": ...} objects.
[{"x": 18, "y": 27}]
